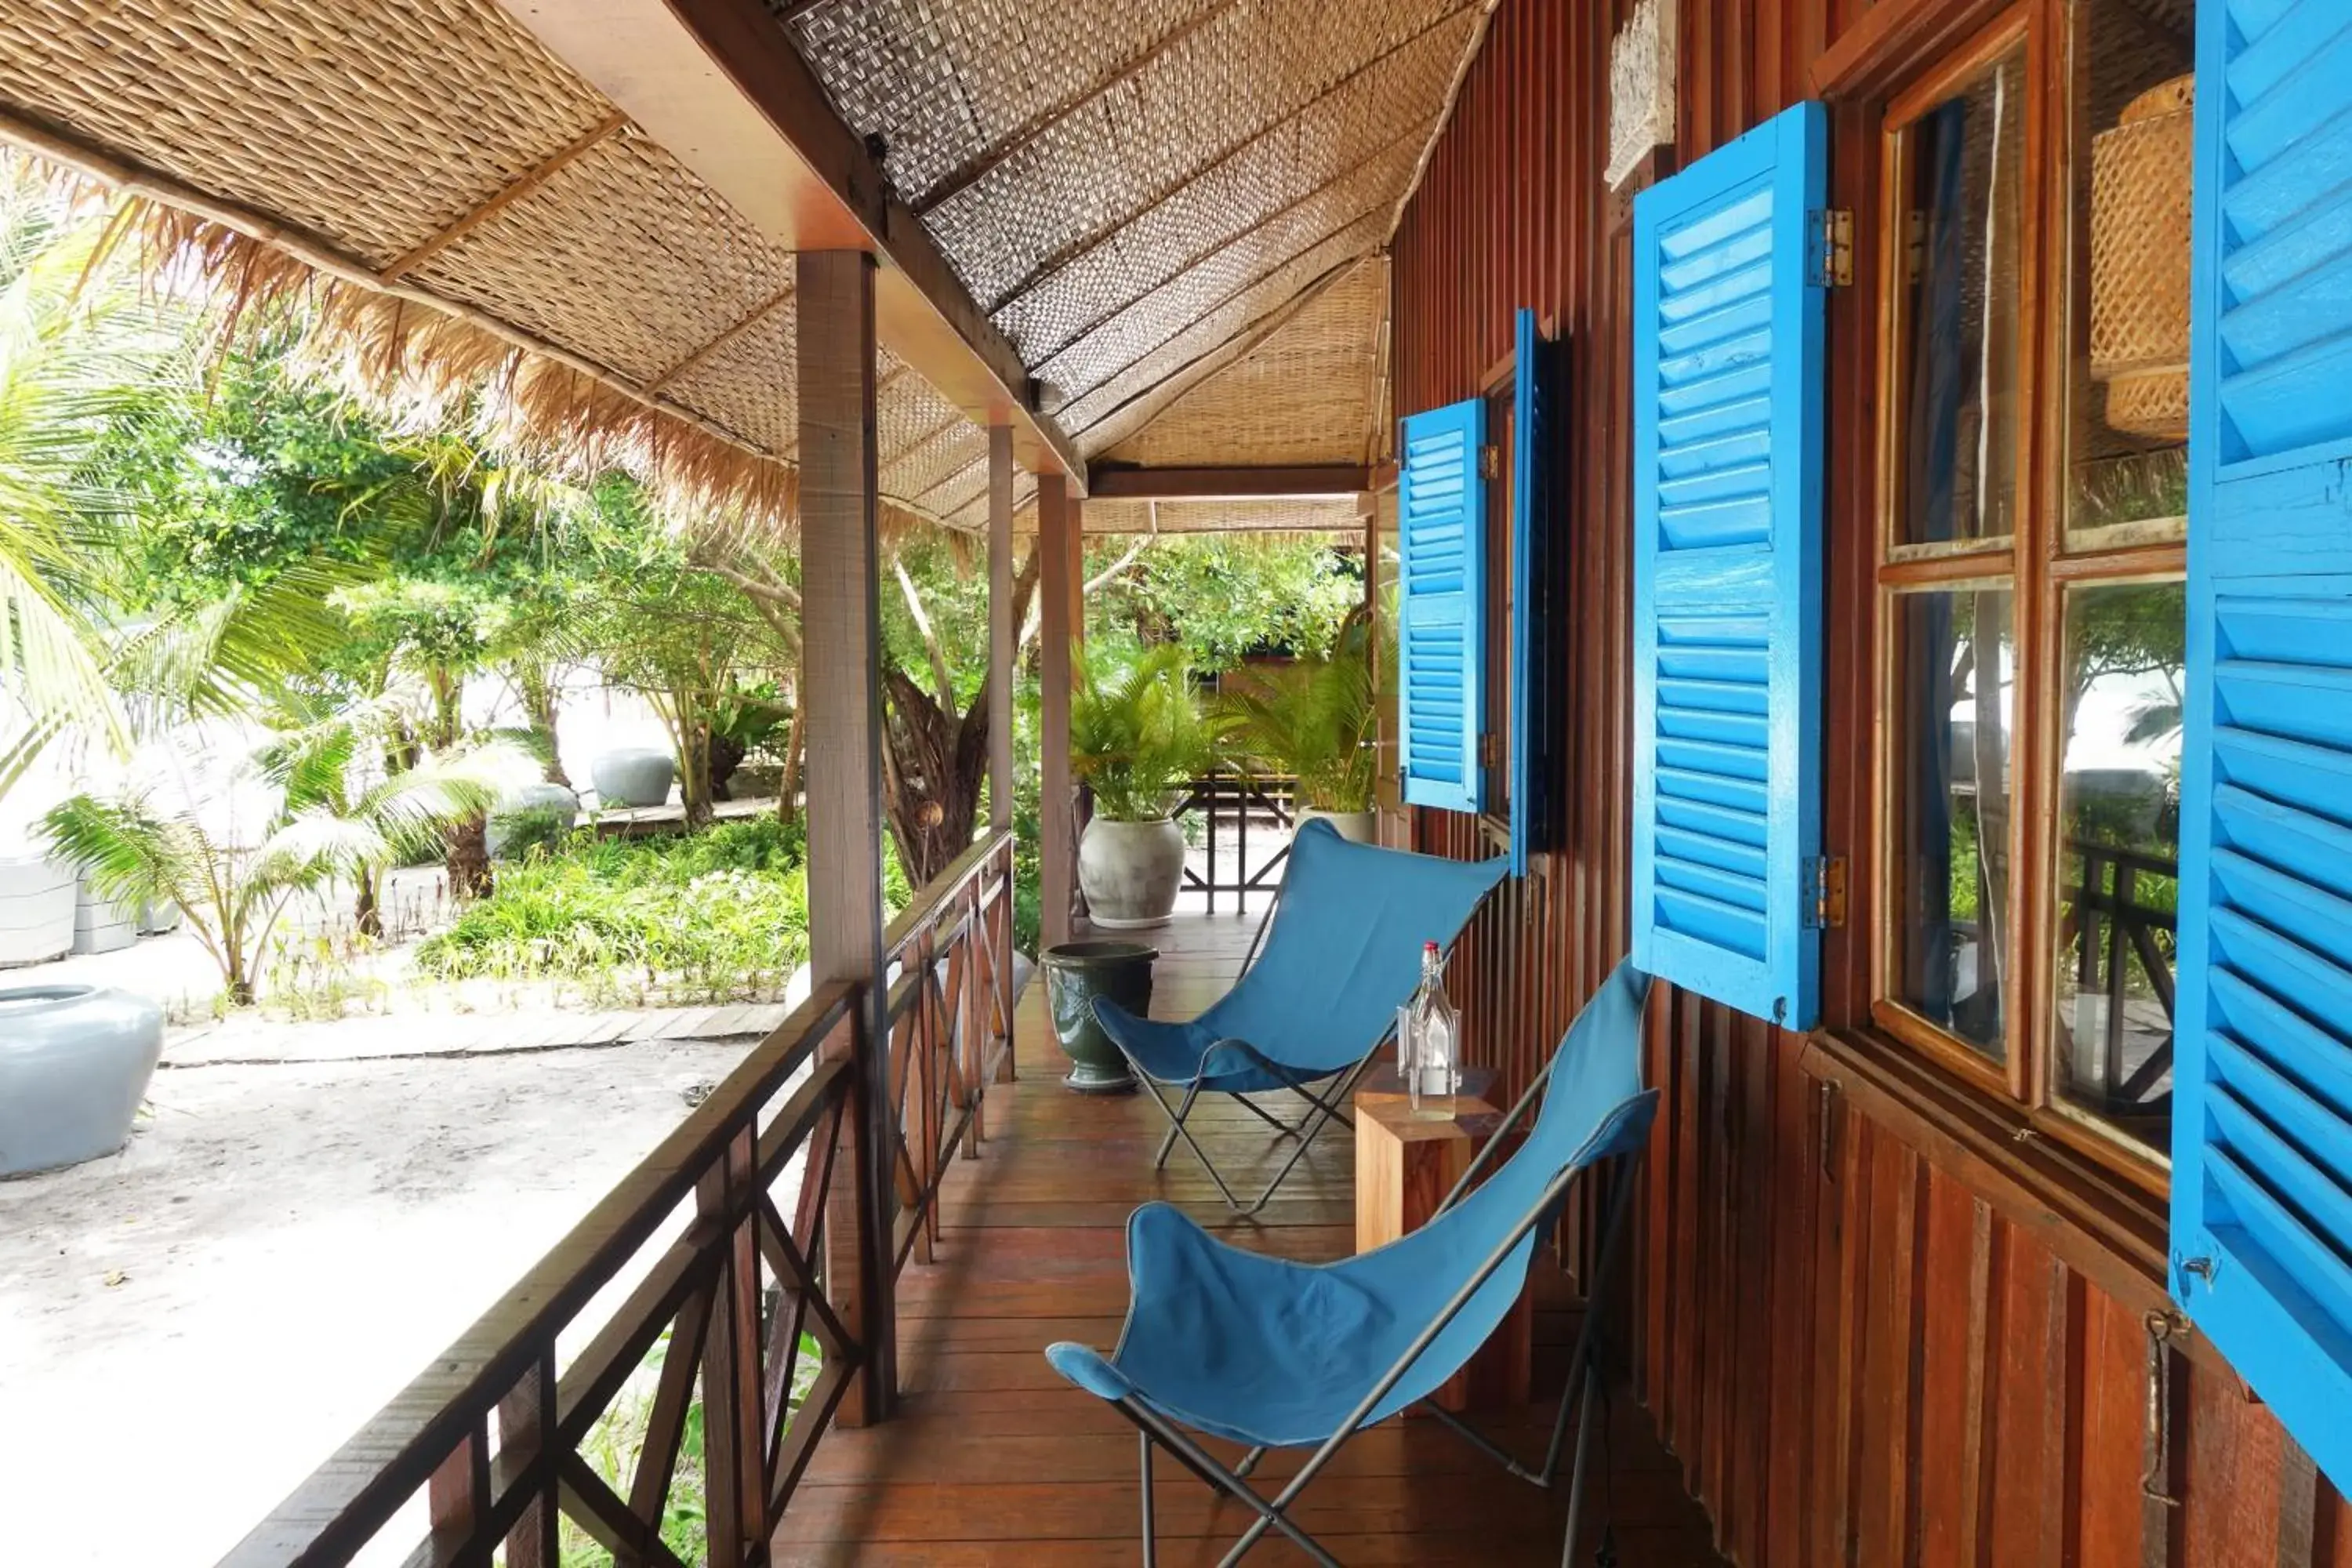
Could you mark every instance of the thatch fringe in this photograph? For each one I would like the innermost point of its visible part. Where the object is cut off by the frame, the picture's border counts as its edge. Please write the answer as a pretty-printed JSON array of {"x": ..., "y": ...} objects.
[{"x": 418, "y": 360}]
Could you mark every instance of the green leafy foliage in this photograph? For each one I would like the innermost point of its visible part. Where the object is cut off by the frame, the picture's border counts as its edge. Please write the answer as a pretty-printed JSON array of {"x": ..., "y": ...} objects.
[
  {"x": 717, "y": 915},
  {"x": 1222, "y": 599},
  {"x": 1138, "y": 733},
  {"x": 1312, "y": 718}
]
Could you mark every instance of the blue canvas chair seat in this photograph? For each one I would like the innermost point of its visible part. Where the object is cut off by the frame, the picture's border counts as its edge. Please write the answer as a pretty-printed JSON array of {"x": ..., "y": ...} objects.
[
  {"x": 1272, "y": 1353},
  {"x": 1342, "y": 955}
]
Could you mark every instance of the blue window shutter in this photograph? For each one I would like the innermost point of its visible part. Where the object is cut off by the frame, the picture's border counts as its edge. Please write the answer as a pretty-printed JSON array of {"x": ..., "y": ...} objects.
[
  {"x": 1442, "y": 603},
  {"x": 1531, "y": 671},
  {"x": 1726, "y": 570},
  {"x": 2262, "y": 1163}
]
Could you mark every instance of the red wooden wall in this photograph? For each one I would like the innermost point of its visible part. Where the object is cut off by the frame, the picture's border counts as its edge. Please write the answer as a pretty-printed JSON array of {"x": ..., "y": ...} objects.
[{"x": 1877, "y": 1329}]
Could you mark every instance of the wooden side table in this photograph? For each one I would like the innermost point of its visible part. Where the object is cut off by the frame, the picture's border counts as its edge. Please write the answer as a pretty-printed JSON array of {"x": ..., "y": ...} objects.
[{"x": 1405, "y": 1165}]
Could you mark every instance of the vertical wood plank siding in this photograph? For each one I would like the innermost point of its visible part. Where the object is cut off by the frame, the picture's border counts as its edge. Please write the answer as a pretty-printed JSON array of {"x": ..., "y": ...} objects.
[{"x": 1864, "y": 1348}]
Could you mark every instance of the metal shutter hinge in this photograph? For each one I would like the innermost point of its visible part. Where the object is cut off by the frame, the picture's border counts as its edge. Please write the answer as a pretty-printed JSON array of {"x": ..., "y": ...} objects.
[
  {"x": 1490, "y": 462},
  {"x": 1829, "y": 248},
  {"x": 1490, "y": 749},
  {"x": 1825, "y": 892}
]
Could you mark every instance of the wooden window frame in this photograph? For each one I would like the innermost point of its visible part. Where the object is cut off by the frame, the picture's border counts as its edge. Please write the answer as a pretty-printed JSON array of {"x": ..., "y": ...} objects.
[
  {"x": 2038, "y": 563},
  {"x": 1899, "y": 570}
]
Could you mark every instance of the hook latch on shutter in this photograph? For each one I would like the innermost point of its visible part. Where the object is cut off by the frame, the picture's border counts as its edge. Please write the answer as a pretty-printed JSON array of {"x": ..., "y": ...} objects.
[
  {"x": 1829, "y": 248},
  {"x": 1825, "y": 892}
]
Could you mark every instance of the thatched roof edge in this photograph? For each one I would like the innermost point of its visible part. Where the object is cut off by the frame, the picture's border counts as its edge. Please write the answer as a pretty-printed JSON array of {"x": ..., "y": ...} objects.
[{"x": 397, "y": 347}]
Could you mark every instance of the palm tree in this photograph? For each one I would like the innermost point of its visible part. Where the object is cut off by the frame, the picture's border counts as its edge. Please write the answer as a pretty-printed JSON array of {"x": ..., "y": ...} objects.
[
  {"x": 1138, "y": 734},
  {"x": 211, "y": 843},
  {"x": 82, "y": 349},
  {"x": 1312, "y": 718},
  {"x": 344, "y": 809}
]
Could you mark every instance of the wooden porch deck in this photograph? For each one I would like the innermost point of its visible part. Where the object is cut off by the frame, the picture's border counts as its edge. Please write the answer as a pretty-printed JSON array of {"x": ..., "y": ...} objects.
[{"x": 995, "y": 1460}]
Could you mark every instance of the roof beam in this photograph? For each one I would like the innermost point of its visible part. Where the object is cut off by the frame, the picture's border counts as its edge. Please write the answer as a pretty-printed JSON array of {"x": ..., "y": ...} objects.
[
  {"x": 1217, "y": 357},
  {"x": 544, "y": 171},
  {"x": 719, "y": 85},
  {"x": 1329, "y": 481},
  {"x": 991, "y": 159},
  {"x": 1217, "y": 247},
  {"x": 1231, "y": 151}
]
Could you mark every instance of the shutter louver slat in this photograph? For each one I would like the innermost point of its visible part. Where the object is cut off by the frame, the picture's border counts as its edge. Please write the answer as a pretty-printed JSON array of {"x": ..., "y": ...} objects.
[
  {"x": 1726, "y": 400},
  {"x": 2261, "y": 1188}
]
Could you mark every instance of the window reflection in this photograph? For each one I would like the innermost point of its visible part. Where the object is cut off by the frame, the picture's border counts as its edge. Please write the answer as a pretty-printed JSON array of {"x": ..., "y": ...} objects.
[
  {"x": 1966, "y": 163},
  {"x": 2118, "y": 868},
  {"x": 1952, "y": 834},
  {"x": 2127, "y": 237}
]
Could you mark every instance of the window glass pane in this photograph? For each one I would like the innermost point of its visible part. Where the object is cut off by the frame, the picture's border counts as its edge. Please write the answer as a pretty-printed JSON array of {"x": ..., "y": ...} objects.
[
  {"x": 2128, "y": 309},
  {"x": 2118, "y": 868},
  {"x": 1951, "y": 829},
  {"x": 1958, "y": 392}
]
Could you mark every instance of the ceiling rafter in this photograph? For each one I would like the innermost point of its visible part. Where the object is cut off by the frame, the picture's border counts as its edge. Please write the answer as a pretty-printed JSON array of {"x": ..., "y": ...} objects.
[
  {"x": 744, "y": 324},
  {"x": 1086, "y": 242},
  {"x": 1376, "y": 378},
  {"x": 993, "y": 158},
  {"x": 1235, "y": 348},
  {"x": 1045, "y": 368},
  {"x": 1444, "y": 112},
  {"x": 1211, "y": 251},
  {"x": 507, "y": 196}
]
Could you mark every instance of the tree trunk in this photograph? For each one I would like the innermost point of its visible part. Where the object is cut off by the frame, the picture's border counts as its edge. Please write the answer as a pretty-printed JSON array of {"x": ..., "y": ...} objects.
[
  {"x": 694, "y": 772},
  {"x": 788, "y": 787},
  {"x": 540, "y": 711},
  {"x": 931, "y": 790},
  {"x": 469, "y": 858},
  {"x": 722, "y": 755},
  {"x": 369, "y": 916}
]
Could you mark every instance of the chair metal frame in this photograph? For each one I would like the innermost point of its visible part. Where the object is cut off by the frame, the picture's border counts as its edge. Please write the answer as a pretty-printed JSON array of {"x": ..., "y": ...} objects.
[
  {"x": 1578, "y": 1397},
  {"x": 1321, "y": 1113}
]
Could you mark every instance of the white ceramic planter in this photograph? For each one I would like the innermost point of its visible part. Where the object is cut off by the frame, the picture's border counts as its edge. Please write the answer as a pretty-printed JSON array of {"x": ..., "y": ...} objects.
[
  {"x": 37, "y": 909},
  {"x": 1355, "y": 826},
  {"x": 74, "y": 1065},
  {"x": 102, "y": 924},
  {"x": 531, "y": 800},
  {"x": 636, "y": 776},
  {"x": 1130, "y": 871}
]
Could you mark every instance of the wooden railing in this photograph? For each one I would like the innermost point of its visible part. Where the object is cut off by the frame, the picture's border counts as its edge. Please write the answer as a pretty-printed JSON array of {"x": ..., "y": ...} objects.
[
  {"x": 1215, "y": 797},
  {"x": 2107, "y": 894},
  {"x": 717, "y": 1268},
  {"x": 950, "y": 1022}
]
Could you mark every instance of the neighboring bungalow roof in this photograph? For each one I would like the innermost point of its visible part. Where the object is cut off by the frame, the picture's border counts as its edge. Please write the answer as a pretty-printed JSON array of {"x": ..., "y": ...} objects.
[{"x": 1159, "y": 204}]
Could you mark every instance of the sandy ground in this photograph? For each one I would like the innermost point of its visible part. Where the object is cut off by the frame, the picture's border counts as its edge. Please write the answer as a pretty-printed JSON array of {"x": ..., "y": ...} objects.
[{"x": 188, "y": 1328}]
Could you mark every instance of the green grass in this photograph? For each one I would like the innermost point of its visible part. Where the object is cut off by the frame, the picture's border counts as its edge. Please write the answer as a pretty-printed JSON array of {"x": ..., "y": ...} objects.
[
  {"x": 717, "y": 915},
  {"x": 613, "y": 1445}
]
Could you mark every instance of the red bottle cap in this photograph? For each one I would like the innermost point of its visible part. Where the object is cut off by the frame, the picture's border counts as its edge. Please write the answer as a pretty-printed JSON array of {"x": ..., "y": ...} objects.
[{"x": 1429, "y": 947}]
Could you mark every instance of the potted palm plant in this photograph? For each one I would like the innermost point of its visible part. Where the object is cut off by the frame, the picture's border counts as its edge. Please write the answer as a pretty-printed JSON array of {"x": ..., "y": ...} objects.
[
  {"x": 1312, "y": 719},
  {"x": 1138, "y": 736}
]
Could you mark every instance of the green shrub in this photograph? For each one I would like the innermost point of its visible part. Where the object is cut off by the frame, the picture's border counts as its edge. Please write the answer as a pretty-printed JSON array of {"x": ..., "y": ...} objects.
[{"x": 717, "y": 914}]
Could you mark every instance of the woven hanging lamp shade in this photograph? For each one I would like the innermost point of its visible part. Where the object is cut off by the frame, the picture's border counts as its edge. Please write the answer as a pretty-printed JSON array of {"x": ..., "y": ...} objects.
[{"x": 2140, "y": 175}]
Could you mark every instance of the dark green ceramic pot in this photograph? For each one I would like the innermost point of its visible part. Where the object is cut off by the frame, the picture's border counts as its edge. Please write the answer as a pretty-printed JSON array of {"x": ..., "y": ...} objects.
[{"x": 1076, "y": 973}]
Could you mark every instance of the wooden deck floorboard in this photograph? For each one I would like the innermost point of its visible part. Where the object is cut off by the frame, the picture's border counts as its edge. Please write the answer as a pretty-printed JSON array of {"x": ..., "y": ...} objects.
[{"x": 994, "y": 1459}]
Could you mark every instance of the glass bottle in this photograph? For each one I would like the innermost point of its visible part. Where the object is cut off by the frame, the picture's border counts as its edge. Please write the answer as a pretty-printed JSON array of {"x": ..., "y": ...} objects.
[{"x": 1430, "y": 1054}]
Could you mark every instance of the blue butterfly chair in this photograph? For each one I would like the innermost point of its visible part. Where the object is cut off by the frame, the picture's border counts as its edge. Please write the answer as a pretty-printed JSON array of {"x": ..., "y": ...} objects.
[
  {"x": 1271, "y": 1353},
  {"x": 1343, "y": 955}
]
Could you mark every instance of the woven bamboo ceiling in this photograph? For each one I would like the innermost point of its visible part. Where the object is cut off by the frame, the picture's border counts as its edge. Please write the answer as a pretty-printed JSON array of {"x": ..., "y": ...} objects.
[{"x": 1172, "y": 209}]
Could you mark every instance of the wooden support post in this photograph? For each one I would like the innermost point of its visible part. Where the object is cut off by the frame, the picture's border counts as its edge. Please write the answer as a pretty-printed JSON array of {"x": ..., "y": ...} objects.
[
  {"x": 841, "y": 691},
  {"x": 1057, "y": 587},
  {"x": 1001, "y": 632}
]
